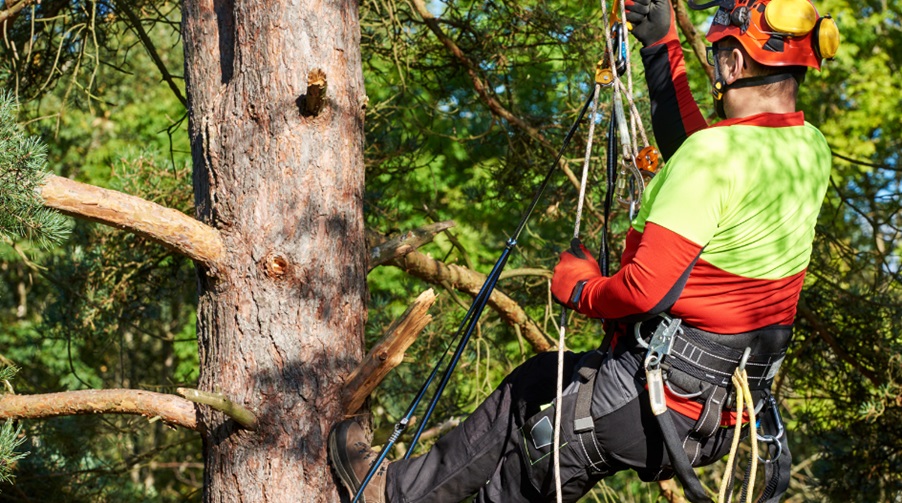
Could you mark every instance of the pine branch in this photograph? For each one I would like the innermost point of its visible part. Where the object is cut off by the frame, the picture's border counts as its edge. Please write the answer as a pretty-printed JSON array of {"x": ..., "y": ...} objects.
[
  {"x": 166, "y": 226},
  {"x": 22, "y": 171},
  {"x": 382, "y": 252},
  {"x": 463, "y": 279},
  {"x": 11, "y": 439}
]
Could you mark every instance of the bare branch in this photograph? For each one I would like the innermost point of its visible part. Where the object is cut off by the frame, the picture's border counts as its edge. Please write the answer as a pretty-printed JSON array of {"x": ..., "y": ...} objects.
[
  {"x": 387, "y": 353},
  {"x": 166, "y": 226},
  {"x": 692, "y": 36},
  {"x": 135, "y": 22},
  {"x": 241, "y": 414},
  {"x": 385, "y": 251},
  {"x": 465, "y": 280},
  {"x": 170, "y": 409},
  {"x": 7, "y": 14}
]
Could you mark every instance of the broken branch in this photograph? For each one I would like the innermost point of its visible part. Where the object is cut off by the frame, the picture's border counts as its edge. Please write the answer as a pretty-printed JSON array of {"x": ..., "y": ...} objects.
[{"x": 387, "y": 353}]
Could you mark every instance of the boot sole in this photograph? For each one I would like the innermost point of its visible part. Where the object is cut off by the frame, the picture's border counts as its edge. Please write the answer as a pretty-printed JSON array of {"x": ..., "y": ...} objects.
[{"x": 338, "y": 455}]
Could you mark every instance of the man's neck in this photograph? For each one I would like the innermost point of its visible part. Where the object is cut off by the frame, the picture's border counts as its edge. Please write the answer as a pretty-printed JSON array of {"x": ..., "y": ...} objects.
[{"x": 747, "y": 101}]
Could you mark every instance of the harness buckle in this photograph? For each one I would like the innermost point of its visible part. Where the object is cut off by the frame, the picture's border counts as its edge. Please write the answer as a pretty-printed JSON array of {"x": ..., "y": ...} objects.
[
  {"x": 658, "y": 347},
  {"x": 662, "y": 340}
]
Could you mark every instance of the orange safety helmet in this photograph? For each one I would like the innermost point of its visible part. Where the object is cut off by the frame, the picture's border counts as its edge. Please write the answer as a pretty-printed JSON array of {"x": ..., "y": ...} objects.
[{"x": 775, "y": 32}]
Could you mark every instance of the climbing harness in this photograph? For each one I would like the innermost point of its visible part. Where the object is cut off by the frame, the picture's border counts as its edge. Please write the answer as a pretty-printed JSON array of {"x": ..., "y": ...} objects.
[{"x": 709, "y": 367}]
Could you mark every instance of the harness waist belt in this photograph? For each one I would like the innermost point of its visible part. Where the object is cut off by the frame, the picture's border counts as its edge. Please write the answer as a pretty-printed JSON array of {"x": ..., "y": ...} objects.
[{"x": 700, "y": 355}]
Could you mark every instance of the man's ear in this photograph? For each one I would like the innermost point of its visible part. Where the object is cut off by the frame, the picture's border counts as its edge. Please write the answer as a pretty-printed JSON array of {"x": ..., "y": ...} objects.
[{"x": 733, "y": 66}]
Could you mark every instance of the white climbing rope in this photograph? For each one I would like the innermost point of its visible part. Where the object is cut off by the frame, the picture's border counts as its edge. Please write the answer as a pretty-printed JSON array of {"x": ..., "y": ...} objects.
[{"x": 629, "y": 146}]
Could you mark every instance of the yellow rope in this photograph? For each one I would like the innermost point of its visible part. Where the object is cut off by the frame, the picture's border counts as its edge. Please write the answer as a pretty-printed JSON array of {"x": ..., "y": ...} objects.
[{"x": 743, "y": 399}]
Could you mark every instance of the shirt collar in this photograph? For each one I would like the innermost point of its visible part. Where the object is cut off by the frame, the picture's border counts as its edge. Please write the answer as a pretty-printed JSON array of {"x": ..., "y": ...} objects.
[{"x": 766, "y": 119}]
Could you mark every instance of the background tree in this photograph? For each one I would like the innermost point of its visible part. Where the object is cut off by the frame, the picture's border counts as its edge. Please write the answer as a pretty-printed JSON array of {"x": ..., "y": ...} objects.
[{"x": 465, "y": 102}]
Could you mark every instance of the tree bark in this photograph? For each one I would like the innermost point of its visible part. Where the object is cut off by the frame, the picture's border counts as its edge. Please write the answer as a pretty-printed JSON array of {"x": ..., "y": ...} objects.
[{"x": 282, "y": 325}]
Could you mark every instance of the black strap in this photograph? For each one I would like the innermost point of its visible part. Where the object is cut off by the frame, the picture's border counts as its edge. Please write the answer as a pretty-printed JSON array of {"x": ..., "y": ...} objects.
[
  {"x": 707, "y": 423},
  {"x": 583, "y": 423},
  {"x": 680, "y": 463}
]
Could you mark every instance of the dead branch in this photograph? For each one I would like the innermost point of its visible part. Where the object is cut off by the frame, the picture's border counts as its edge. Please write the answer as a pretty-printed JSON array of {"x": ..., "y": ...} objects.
[
  {"x": 692, "y": 36},
  {"x": 463, "y": 279},
  {"x": 171, "y": 409},
  {"x": 387, "y": 353},
  {"x": 166, "y": 226},
  {"x": 382, "y": 252},
  {"x": 241, "y": 414}
]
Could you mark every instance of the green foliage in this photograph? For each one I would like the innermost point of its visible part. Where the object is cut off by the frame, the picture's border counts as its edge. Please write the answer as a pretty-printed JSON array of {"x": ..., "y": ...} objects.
[
  {"x": 107, "y": 309},
  {"x": 22, "y": 160},
  {"x": 11, "y": 438}
]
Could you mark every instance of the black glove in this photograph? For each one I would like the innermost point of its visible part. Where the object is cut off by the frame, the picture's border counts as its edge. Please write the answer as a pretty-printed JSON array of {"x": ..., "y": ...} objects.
[{"x": 652, "y": 20}]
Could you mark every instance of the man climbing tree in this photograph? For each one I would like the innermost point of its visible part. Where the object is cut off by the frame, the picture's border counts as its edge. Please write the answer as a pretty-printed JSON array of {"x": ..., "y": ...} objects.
[{"x": 700, "y": 314}]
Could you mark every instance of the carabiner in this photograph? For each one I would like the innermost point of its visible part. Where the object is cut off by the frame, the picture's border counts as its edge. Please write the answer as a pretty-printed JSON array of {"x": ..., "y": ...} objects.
[{"x": 773, "y": 439}]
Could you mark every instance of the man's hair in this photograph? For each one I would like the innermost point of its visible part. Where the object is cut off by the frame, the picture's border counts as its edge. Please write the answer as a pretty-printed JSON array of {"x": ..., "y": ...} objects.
[{"x": 756, "y": 69}]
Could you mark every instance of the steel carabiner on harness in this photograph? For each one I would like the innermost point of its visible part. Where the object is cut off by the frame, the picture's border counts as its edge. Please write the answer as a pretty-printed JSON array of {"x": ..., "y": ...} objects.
[
  {"x": 773, "y": 439},
  {"x": 658, "y": 348}
]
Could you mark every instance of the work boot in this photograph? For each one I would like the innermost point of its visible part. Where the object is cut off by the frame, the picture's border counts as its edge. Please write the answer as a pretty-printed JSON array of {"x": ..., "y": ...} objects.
[{"x": 351, "y": 456}]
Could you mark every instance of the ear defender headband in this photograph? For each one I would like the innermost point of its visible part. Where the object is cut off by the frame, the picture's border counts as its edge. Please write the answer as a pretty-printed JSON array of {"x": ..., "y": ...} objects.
[{"x": 775, "y": 32}]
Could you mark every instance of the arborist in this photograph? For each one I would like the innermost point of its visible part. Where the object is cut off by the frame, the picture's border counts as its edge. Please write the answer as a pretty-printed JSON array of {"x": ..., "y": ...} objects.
[{"x": 700, "y": 314}]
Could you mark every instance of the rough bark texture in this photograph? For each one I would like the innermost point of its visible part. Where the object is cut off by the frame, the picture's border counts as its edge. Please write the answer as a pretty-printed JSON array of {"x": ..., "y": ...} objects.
[
  {"x": 172, "y": 410},
  {"x": 282, "y": 324}
]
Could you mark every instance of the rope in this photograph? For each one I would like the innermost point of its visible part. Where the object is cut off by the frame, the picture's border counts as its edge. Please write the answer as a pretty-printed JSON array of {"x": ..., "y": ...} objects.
[
  {"x": 743, "y": 398},
  {"x": 629, "y": 143},
  {"x": 562, "y": 325}
]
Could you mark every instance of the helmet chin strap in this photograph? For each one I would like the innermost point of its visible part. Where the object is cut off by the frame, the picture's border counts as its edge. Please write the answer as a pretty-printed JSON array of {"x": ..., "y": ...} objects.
[{"x": 720, "y": 86}]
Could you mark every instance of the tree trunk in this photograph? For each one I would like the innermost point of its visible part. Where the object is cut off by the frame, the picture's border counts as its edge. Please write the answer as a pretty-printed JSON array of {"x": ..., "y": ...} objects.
[{"x": 281, "y": 323}]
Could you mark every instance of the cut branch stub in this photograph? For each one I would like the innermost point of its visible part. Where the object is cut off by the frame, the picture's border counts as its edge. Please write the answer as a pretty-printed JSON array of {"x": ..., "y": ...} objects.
[
  {"x": 387, "y": 353},
  {"x": 241, "y": 414},
  {"x": 315, "y": 99}
]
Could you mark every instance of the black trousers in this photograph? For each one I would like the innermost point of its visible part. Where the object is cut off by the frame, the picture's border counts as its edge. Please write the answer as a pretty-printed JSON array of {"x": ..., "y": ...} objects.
[{"x": 495, "y": 454}]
